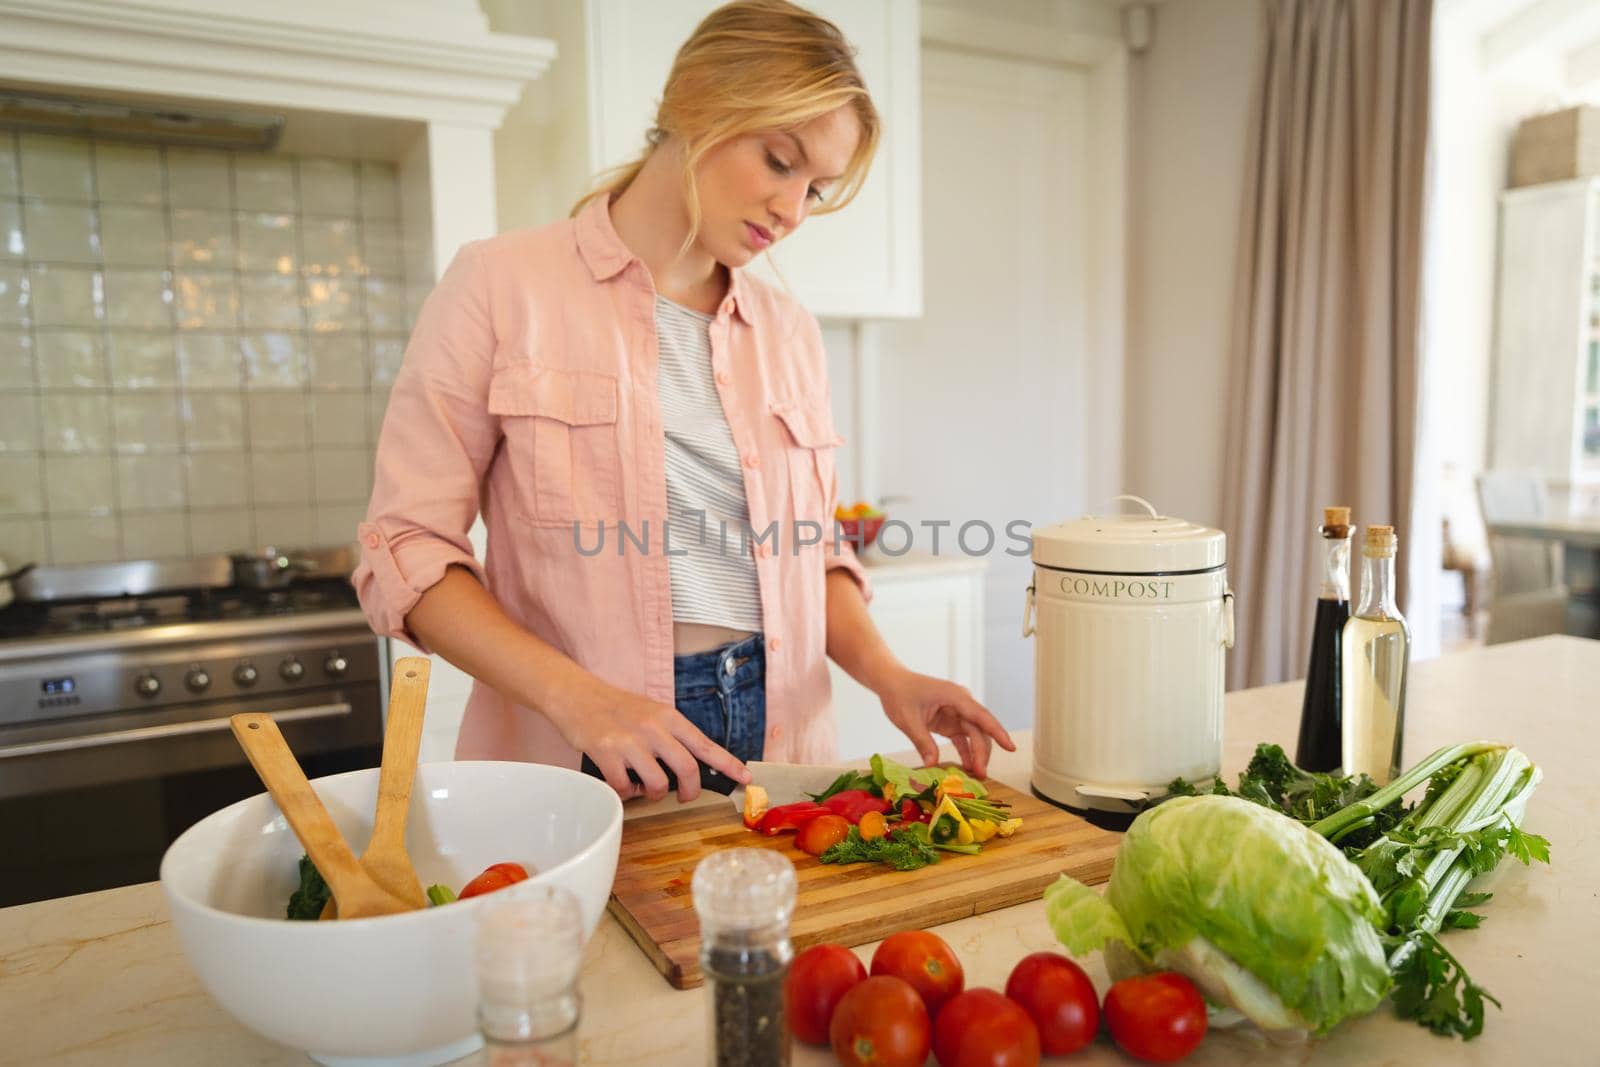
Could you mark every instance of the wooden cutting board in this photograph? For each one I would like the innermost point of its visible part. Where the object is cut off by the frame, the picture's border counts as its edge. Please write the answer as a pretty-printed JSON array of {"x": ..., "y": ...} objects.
[{"x": 851, "y": 904}]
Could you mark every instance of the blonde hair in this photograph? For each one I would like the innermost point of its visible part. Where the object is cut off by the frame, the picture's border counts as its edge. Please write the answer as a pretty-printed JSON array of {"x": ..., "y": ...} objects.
[{"x": 750, "y": 66}]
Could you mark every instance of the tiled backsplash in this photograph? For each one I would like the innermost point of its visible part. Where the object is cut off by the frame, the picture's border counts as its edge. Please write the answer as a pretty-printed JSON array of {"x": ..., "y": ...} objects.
[{"x": 196, "y": 346}]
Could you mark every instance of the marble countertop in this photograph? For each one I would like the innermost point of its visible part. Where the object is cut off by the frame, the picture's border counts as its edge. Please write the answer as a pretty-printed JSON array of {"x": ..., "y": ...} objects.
[{"x": 100, "y": 978}]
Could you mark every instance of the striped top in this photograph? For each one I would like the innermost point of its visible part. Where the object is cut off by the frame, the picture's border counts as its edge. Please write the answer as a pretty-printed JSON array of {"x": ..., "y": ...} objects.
[{"x": 713, "y": 581}]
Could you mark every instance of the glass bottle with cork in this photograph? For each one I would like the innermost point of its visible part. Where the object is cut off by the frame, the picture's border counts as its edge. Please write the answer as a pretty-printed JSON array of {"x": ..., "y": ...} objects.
[
  {"x": 744, "y": 898},
  {"x": 1320, "y": 745},
  {"x": 529, "y": 950},
  {"x": 1376, "y": 654}
]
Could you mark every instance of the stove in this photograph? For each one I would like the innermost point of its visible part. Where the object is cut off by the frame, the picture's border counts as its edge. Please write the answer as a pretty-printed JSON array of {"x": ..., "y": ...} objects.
[{"x": 116, "y": 686}]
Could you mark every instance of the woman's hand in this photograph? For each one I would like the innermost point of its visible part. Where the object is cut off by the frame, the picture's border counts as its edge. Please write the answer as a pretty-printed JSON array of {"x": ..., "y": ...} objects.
[
  {"x": 620, "y": 731},
  {"x": 921, "y": 706}
]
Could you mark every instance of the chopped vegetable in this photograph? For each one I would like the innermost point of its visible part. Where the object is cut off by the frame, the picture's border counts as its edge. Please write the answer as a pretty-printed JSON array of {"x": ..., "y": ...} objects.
[
  {"x": 1301, "y": 921},
  {"x": 911, "y": 811},
  {"x": 873, "y": 825},
  {"x": 949, "y": 825},
  {"x": 789, "y": 816},
  {"x": 440, "y": 894},
  {"x": 854, "y": 803},
  {"x": 847, "y": 780},
  {"x": 755, "y": 805},
  {"x": 307, "y": 901},
  {"x": 496, "y": 876},
  {"x": 893, "y": 811},
  {"x": 919, "y": 782},
  {"x": 822, "y": 833},
  {"x": 903, "y": 849},
  {"x": 953, "y": 786}
]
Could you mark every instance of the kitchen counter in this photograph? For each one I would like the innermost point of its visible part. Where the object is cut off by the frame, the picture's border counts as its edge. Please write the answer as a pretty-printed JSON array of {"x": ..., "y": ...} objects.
[{"x": 100, "y": 978}]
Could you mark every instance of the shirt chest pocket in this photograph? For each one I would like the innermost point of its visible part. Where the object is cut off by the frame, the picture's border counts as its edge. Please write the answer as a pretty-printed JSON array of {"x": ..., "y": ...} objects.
[
  {"x": 810, "y": 443},
  {"x": 560, "y": 430}
]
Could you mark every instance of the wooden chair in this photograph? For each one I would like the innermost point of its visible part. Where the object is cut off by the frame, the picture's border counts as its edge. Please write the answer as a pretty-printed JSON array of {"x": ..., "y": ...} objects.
[{"x": 1528, "y": 599}]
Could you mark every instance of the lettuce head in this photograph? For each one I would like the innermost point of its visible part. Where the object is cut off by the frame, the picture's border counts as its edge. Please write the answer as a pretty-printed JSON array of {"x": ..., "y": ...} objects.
[{"x": 1265, "y": 916}]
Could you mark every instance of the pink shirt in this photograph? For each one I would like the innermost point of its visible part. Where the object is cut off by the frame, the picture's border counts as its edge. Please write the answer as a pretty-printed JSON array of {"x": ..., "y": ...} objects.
[{"x": 528, "y": 392}]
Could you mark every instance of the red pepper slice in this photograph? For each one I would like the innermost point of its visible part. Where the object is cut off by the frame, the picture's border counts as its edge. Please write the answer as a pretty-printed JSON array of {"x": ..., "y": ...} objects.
[
  {"x": 789, "y": 816},
  {"x": 854, "y": 803},
  {"x": 911, "y": 811}
]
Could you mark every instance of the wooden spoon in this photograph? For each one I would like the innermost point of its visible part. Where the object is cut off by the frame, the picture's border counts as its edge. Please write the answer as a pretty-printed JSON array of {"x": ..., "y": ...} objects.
[
  {"x": 358, "y": 895},
  {"x": 385, "y": 859}
]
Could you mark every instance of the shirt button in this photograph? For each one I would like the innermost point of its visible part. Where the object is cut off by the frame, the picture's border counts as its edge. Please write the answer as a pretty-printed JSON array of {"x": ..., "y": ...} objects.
[
  {"x": 773, "y": 644},
  {"x": 777, "y": 733},
  {"x": 372, "y": 540},
  {"x": 763, "y": 551},
  {"x": 724, "y": 378},
  {"x": 752, "y": 461}
]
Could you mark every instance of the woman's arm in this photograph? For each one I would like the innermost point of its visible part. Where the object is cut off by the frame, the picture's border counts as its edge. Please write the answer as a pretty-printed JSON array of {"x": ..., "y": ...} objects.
[
  {"x": 918, "y": 704},
  {"x": 462, "y": 621}
]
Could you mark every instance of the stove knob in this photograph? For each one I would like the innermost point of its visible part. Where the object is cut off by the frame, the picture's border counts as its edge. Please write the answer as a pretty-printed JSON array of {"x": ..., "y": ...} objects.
[
  {"x": 292, "y": 670},
  {"x": 335, "y": 665},
  {"x": 198, "y": 680},
  {"x": 245, "y": 674},
  {"x": 147, "y": 685}
]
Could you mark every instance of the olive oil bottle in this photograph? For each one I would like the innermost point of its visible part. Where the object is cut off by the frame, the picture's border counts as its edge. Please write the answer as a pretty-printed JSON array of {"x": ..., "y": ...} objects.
[
  {"x": 1321, "y": 741},
  {"x": 1376, "y": 652}
]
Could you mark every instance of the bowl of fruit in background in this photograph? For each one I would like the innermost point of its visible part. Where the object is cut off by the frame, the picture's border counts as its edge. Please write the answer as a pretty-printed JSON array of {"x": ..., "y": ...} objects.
[{"x": 860, "y": 523}]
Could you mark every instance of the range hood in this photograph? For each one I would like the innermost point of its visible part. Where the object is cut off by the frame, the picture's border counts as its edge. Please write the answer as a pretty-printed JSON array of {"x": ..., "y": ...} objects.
[{"x": 127, "y": 121}]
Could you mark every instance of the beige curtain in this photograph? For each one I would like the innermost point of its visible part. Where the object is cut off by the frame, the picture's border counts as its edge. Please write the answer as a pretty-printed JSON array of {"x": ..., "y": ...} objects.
[{"x": 1325, "y": 324}]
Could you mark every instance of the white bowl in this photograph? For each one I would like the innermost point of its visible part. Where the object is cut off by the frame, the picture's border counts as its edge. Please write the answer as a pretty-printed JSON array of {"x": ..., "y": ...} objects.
[{"x": 399, "y": 989}]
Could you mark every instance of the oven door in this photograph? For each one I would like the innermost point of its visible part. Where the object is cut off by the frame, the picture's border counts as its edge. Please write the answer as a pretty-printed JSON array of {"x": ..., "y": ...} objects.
[
  {"x": 142, "y": 743},
  {"x": 93, "y": 803}
]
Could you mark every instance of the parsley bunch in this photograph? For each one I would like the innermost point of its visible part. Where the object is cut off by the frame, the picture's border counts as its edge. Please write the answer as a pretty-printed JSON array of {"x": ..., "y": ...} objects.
[{"x": 904, "y": 849}]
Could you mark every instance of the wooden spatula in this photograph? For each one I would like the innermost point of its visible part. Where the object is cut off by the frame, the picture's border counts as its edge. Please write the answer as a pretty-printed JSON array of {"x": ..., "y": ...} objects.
[
  {"x": 385, "y": 859},
  {"x": 358, "y": 895}
]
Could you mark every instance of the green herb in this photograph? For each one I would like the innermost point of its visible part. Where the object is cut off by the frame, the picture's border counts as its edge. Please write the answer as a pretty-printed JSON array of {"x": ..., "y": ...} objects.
[
  {"x": 905, "y": 849},
  {"x": 991, "y": 810},
  {"x": 440, "y": 894},
  {"x": 307, "y": 902},
  {"x": 1272, "y": 781}
]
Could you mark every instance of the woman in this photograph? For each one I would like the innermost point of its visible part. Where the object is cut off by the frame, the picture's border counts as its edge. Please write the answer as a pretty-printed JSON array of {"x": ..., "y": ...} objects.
[{"x": 588, "y": 383}]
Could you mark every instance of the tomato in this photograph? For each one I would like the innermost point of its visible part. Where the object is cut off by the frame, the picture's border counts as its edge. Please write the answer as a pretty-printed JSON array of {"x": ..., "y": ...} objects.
[
  {"x": 818, "y": 979},
  {"x": 880, "y": 1023},
  {"x": 1059, "y": 997},
  {"x": 819, "y": 834},
  {"x": 1156, "y": 1017},
  {"x": 982, "y": 1028},
  {"x": 925, "y": 961},
  {"x": 496, "y": 876}
]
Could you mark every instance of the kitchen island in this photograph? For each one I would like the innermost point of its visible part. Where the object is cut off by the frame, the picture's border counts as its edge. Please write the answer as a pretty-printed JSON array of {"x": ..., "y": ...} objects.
[{"x": 100, "y": 978}]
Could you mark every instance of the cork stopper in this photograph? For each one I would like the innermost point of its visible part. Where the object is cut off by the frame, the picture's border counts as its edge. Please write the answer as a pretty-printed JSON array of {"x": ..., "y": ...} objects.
[
  {"x": 1336, "y": 522},
  {"x": 1380, "y": 542}
]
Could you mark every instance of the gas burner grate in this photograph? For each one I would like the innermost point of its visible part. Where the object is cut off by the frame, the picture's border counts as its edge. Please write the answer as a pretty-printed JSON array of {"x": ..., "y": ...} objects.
[{"x": 99, "y": 615}]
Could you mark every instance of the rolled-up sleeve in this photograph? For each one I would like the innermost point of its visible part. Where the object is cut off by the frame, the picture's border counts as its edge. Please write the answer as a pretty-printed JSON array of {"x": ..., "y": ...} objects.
[{"x": 436, "y": 443}]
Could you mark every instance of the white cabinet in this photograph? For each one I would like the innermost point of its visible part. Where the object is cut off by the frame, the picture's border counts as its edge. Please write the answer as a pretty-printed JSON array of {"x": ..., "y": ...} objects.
[
  {"x": 862, "y": 262},
  {"x": 1546, "y": 415},
  {"x": 930, "y": 612}
]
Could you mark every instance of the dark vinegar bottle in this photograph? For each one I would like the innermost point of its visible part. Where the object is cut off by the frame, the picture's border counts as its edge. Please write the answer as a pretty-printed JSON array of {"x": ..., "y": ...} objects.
[{"x": 1321, "y": 713}]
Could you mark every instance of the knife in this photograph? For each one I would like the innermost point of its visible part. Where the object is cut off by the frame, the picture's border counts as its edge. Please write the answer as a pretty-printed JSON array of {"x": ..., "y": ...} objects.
[{"x": 787, "y": 783}]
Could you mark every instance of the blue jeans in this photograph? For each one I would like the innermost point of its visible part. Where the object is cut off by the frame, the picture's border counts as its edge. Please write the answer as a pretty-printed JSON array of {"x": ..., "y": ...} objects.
[{"x": 723, "y": 691}]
